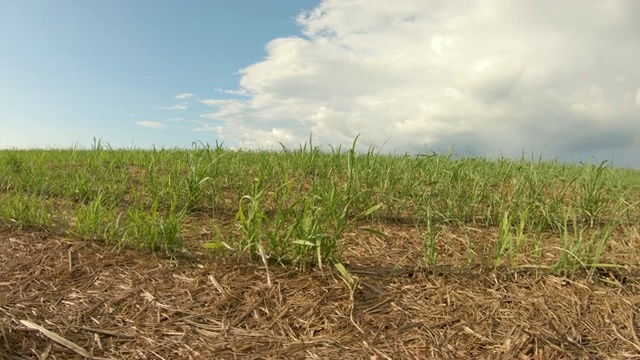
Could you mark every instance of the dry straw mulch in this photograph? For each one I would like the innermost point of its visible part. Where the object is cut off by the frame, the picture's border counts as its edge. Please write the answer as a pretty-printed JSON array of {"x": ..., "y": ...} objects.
[{"x": 65, "y": 299}]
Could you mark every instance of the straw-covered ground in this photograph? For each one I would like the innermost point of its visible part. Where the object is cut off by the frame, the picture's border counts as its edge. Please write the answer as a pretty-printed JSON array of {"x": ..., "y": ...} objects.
[
  {"x": 131, "y": 304},
  {"x": 210, "y": 253}
]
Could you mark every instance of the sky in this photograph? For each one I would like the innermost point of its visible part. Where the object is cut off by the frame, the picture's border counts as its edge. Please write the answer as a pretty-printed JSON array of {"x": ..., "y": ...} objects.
[{"x": 491, "y": 78}]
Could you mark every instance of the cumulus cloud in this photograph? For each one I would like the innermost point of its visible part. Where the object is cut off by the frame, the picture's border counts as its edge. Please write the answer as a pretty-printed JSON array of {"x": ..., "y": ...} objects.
[
  {"x": 151, "y": 124},
  {"x": 238, "y": 92},
  {"x": 181, "y": 106},
  {"x": 487, "y": 76},
  {"x": 184, "y": 96}
]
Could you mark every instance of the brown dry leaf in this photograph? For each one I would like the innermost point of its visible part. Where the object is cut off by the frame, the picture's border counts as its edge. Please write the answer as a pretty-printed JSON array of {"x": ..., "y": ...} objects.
[
  {"x": 140, "y": 309},
  {"x": 57, "y": 338}
]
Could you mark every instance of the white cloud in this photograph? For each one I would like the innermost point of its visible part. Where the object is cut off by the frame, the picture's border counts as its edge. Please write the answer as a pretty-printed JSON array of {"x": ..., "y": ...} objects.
[
  {"x": 201, "y": 125},
  {"x": 238, "y": 92},
  {"x": 151, "y": 124},
  {"x": 488, "y": 76},
  {"x": 257, "y": 139},
  {"x": 184, "y": 96},
  {"x": 208, "y": 127},
  {"x": 181, "y": 106}
]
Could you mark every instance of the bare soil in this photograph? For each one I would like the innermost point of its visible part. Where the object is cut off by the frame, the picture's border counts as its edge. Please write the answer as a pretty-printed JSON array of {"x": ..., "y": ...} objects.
[{"x": 130, "y": 304}]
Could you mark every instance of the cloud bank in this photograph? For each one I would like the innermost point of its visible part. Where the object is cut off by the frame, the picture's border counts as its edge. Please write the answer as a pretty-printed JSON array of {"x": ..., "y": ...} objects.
[{"x": 488, "y": 77}]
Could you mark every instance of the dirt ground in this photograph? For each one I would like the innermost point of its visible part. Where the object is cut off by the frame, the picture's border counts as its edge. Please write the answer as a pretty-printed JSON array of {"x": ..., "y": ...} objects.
[{"x": 111, "y": 303}]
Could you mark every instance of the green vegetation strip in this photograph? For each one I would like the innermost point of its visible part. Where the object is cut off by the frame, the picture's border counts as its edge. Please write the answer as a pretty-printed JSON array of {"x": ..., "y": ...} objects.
[{"x": 306, "y": 206}]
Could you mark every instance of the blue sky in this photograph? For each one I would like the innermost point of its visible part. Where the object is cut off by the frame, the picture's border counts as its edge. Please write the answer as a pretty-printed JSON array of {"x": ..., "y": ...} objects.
[
  {"x": 72, "y": 70},
  {"x": 490, "y": 77}
]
